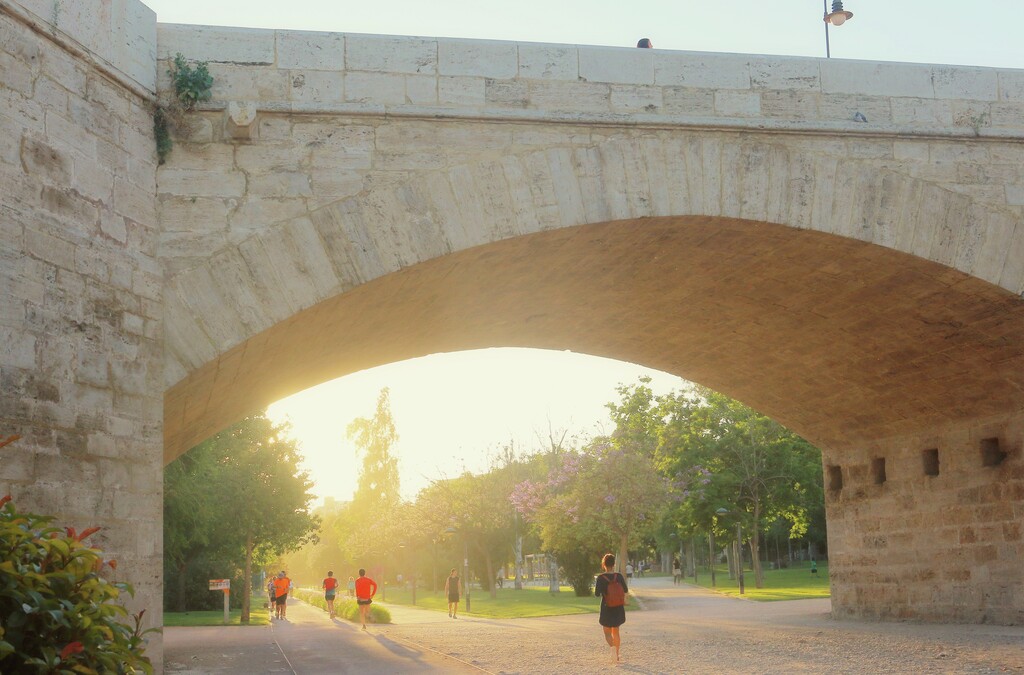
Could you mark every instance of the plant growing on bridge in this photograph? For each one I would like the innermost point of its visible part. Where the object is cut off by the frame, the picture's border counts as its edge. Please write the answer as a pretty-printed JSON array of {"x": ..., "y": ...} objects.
[
  {"x": 191, "y": 85},
  {"x": 59, "y": 613}
]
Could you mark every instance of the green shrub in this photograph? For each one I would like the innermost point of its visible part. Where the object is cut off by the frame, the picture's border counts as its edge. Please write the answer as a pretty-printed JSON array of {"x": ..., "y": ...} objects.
[
  {"x": 57, "y": 612},
  {"x": 346, "y": 608},
  {"x": 191, "y": 85}
]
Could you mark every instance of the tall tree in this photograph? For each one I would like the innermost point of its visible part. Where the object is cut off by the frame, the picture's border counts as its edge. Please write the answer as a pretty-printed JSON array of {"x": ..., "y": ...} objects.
[
  {"x": 242, "y": 495},
  {"x": 377, "y": 498}
]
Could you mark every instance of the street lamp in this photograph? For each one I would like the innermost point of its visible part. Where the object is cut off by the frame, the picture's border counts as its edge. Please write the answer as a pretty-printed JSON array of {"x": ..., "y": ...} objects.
[{"x": 837, "y": 17}]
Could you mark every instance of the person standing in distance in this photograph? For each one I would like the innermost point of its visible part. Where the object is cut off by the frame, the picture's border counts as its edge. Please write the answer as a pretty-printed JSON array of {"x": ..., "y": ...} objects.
[
  {"x": 612, "y": 589},
  {"x": 452, "y": 588},
  {"x": 330, "y": 586},
  {"x": 366, "y": 588}
]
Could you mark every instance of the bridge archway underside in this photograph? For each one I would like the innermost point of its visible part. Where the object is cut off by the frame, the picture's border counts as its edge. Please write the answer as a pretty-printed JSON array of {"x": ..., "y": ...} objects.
[{"x": 848, "y": 343}]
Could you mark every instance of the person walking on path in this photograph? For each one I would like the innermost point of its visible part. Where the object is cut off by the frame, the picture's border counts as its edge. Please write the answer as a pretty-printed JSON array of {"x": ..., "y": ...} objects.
[
  {"x": 282, "y": 584},
  {"x": 272, "y": 594},
  {"x": 612, "y": 589},
  {"x": 452, "y": 588},
  {"x": 677, "y": 573},
  {"x": 351, "y": 587},
  {"x": 366, "y": 588},
  {"x": 330, "y": 586}
]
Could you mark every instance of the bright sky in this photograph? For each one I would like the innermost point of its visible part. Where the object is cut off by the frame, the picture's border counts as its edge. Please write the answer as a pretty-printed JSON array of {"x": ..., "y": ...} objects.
[
  {"x": 453, "y": 411},
  {"x": 982, "y": 32}
]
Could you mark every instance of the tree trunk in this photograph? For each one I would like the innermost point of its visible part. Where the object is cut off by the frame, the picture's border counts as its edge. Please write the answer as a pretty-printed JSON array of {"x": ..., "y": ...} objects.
[
  {"x": 623, "y": 557},
  {"x": 182, "y": 576},
  {"x": 552, "y": 574},
  {"x": 490, "y": 576},
  {"x": 730, "y": 560},
  {"x": 247, "y": 580},
  {"x": 755, "y": 548},
  {"x": 519, "y": 561}
]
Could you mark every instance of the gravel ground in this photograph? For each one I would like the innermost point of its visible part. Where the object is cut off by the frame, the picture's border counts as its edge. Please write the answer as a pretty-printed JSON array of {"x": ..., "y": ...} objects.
[
  {"x": 688, "y": 630},
  {"x": 682, "y": 629}
]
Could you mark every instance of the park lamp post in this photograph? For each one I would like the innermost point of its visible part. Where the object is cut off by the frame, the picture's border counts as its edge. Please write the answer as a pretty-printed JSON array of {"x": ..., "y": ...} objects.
[
  {"x": 837, "y": 17},
  {"x": 739, "y": 545}
]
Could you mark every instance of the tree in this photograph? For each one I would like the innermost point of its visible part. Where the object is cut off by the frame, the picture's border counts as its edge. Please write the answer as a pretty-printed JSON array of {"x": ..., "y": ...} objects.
[
  {"x": 745, "y": 462},
  {"x": 240, "y": 497},
  {"x": 603, "y": 497},
  {"x": 372, "y": 528}
]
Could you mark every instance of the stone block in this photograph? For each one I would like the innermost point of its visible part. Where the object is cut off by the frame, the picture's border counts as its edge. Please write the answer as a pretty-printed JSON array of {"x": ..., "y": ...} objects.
[
  {"x": 379, "y": 88},
  {"x": 18, "y": 76},
  {"x": 217, "y": 44},
  {"x": 737, "y": 103},
  {"x": 569, "y": 96},
  {"x": 389, "y": 54},
  {"x": 421, "y": 90},
  {"x": 636, "y": 99},
  {"x": 240, "y": 121},
  {"x": 689, "y": 101},
  {"x": 477, "y": 58},
  {"x": 615, "y": 65},
  {"x": 64, "y": 69},
  {"x": 199, "y": 183},
  {"x": 61, "y": 131},
  {"x": 876, "y": 79},
  {"x": 913, "y": 111},
  {"x": 134, "y": 202},
  {"x": 789, "y": 104},
  {"x": 463, "y": 91},
  {"x": 310, "y": 51},
  {"x": 548, "y": 62},
  {"x": 1011, "y": 85},
  {"x": 312, "y": 87},
  {"x": 507, "y": 94},
  {"x": 961, "y": 82},
  {"x": 249, "y": 83},
  {"x": 785, "y": 74},
  {"x": 694, "y": 69},
  {"x": 281, "y": 184}
]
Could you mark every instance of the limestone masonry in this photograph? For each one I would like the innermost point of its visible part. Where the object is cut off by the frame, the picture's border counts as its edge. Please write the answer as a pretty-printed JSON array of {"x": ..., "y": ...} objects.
[{"x": 350, "y": 200}]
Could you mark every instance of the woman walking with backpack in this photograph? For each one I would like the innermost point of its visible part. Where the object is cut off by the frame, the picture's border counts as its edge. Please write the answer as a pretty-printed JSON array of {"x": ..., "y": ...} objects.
[{"x": 611, "y": 588}]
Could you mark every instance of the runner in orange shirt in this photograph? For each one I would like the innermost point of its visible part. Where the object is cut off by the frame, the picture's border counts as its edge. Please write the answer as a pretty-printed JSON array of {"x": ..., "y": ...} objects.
[
  {"x": 330, "y": 587},
  {"x": 281, "y": 585},
  {"x": 366, "y": 588}
]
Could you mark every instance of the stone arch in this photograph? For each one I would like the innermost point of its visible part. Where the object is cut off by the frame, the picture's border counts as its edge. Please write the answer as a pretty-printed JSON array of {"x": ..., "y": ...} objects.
[
  {"x": 242, "y": 291},
  {"x": 875, "y": 312}
]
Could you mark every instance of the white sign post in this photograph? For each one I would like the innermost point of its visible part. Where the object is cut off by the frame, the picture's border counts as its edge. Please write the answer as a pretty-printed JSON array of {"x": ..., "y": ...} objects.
[{"x": 223, "y": 585}]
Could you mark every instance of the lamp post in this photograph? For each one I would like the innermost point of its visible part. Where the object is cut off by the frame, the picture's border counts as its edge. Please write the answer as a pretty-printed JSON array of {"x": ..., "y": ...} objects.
[{"x": 837, "y": 17}]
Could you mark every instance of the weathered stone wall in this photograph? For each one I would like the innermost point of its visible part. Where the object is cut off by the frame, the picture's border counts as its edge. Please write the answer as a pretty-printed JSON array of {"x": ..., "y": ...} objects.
[
  {"x": 81, "y": 334},
  {"x": 930, "y": 527}
]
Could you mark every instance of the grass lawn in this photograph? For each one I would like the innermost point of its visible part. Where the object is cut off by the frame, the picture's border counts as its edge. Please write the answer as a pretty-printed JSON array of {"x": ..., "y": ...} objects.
[
  {"x": 793, "y": 583},
  {"x": 258, "y": 616},
  {"x": 509, "y": 604}
]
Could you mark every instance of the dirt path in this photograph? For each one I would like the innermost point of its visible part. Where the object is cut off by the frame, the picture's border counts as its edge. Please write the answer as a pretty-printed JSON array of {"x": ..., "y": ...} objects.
[{"x": 682, "y": 630}]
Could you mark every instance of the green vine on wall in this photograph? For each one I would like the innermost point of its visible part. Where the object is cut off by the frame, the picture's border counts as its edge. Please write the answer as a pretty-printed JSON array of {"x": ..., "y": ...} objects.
[{"x": 191, "y": 84}]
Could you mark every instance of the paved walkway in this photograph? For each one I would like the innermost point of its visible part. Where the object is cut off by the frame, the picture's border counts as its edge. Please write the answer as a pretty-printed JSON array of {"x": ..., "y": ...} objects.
[{"x": 683, "y": 629}]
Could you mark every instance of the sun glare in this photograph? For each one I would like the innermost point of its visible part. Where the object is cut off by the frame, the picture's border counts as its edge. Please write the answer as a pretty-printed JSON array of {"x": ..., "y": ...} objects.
[{"x": 454, "y": 412}]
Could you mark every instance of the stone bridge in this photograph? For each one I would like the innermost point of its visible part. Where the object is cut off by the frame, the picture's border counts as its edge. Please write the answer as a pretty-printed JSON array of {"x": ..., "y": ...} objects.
[{"x": 838, "y": 244}]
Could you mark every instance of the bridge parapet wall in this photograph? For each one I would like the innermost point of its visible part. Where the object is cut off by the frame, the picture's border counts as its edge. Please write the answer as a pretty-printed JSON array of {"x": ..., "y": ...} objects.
[{"x": 371, "y": 74}]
